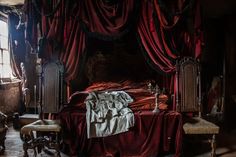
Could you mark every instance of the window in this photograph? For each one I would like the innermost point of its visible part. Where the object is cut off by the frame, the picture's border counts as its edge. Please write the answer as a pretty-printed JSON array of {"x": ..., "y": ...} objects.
[{"x": 5, "y": 67}]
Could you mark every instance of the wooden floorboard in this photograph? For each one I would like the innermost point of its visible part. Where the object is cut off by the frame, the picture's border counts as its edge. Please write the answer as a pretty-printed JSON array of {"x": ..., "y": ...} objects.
[
  {"x": 226, "y": 146},
  {"x": 14, "y": 145}
]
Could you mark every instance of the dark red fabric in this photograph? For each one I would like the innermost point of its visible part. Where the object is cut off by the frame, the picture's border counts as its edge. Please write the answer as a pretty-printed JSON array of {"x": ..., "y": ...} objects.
[
  {"x": 165, "y": 32},
  {"x": 66, "y": 35},
  {"x": 198, "y": 32},
  {"x": 108, "y": 18},
  {"x": 143, "y": 98},
  {"x": 152, "y": 135},
  {"x": 61, "y": 32},
  {"x": 169, "y": 11},
  {"x": 162, "y": 39},
  {"x": 153, "y": 40},
  {"x": 32, "y": 19}
]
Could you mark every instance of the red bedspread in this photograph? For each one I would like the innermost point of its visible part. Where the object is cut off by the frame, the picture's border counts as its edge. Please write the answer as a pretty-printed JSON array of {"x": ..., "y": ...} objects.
[
  {"x": 143, "y": 99},
  {"x": 152, "y": 135}
]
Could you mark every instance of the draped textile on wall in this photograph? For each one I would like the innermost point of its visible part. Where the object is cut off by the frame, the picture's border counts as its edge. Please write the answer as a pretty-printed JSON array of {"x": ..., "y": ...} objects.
[
  {"x": 108, "y": 19},
  {"x": 166, "y": 30},
  {"x": 57, "y": 27},
  {"x": 164, "y": 34}
]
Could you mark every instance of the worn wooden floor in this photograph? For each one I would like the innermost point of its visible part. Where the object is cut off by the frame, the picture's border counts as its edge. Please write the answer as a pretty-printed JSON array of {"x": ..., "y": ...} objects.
[
  {"x": 226, "y": 146},
  {"x": 14, "y": 146}
]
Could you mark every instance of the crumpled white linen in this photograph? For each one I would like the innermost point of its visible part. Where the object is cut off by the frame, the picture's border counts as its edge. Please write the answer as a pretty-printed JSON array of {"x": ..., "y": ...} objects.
[{"x": 108, "y": 113}]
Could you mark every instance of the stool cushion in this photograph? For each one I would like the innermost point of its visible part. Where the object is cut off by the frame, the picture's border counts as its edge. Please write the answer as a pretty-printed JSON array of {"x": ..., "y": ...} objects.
[
  {"x": 41, "y": 125},
  {"x": 197, "y": 125},
  {"x": 27, "y": 119}
]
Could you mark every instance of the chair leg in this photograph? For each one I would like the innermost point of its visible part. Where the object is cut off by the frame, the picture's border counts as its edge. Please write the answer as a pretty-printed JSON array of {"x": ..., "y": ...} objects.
[
  {"x": 58, "y": 145},
  {"x": 25, "y": 147},
  {"x": 213, "y": 146},
  {"x": 2, "y": 144}
]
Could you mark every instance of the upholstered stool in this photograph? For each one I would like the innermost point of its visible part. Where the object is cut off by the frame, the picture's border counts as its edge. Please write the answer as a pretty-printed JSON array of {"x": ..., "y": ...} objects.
[
  {"x": 199, "y": 126},
  {"x": 3, "y": 131},
  {"x": 40, "y": 134}
]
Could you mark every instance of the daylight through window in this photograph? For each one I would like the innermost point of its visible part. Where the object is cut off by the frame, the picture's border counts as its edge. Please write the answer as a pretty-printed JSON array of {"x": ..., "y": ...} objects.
[{"x": 5, "y": 68}]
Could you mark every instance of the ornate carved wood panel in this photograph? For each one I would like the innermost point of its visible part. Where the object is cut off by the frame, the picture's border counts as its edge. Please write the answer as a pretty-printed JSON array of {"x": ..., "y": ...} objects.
[
  {"x": 188, "y": 85},
  {"x": 52, "y": 80}
]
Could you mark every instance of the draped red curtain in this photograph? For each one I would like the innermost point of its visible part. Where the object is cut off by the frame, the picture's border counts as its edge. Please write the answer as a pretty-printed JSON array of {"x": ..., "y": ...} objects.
[
  {"x": 166, "y": 29},
  {"x": 163, "y": 35},
  {"x": 56, "y": 23},
  {"x": 153, "y": 41},
  {"x": 32, "y": 21},
  {"x": 55, "y": 27},
  {"x": 169, "y": 11},
  {"x": 108, "y": 19}
]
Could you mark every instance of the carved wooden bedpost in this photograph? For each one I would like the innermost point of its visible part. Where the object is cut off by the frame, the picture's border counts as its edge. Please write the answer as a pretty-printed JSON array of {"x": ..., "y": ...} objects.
[
  {"x": 199, "y": 92},
  {"x": 61, "y": 87},
  {"x": 39, "y": 75},
  {"x": 177, "y": 86}
]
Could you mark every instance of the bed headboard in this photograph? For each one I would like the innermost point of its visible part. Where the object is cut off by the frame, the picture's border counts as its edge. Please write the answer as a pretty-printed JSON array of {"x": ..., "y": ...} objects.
[{"x": 116, "y": 66}]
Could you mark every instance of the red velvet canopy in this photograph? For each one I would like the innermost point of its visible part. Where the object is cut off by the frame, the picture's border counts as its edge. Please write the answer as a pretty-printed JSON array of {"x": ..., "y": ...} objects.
[
  {"x": 165, "y": 30},
  {"x": 162, "y": 28}
]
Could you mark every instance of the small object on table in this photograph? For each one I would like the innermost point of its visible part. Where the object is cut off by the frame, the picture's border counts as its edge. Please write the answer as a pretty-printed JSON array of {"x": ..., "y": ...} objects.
[{"x": 155, "y": 90}]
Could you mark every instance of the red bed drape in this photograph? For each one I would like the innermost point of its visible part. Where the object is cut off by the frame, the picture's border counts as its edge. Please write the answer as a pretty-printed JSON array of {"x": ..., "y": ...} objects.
[
  {"x": 163, "y": 36},
  {"x": 64, "y": 26},
  {"x": 165, "y": 30},
  {"x": 108, "y": 19},
  {"x": 56, "y": 23},
  {"x": 152, "y": 135},
  {"x": 153, "y": 40}
]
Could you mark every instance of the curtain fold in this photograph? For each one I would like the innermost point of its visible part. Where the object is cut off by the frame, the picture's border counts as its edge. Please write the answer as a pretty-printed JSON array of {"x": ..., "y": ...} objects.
[
  {"x": 165, "y": 36},
  {"x": 59, "y": 29},
  {"x": 108, "y": 20},
  {"x": 165, "y": 30},
  {"x": 32, "y": 24},
  {"x": 153, "y": 41},
  {"x": 169, "y": 12}
]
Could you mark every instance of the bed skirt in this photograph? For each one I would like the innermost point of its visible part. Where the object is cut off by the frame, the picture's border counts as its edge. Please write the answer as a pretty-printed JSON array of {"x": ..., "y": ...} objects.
[{"x": 152, "y": 135}]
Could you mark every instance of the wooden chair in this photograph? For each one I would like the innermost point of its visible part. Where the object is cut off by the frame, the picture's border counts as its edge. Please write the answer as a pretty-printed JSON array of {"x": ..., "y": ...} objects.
[
  {"x": 188, "y": 100},
  {"x": 45, "y": 132}
]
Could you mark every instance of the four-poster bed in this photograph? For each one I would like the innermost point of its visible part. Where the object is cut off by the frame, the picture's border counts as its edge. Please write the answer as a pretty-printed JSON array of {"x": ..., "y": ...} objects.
[
  {"x": 66, "y": 27},
  {"x": 151, "y": 133}
]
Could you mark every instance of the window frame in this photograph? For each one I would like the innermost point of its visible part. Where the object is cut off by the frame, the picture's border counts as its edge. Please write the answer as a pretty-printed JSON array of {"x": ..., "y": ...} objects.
[{"x": 5, "y": 77}]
